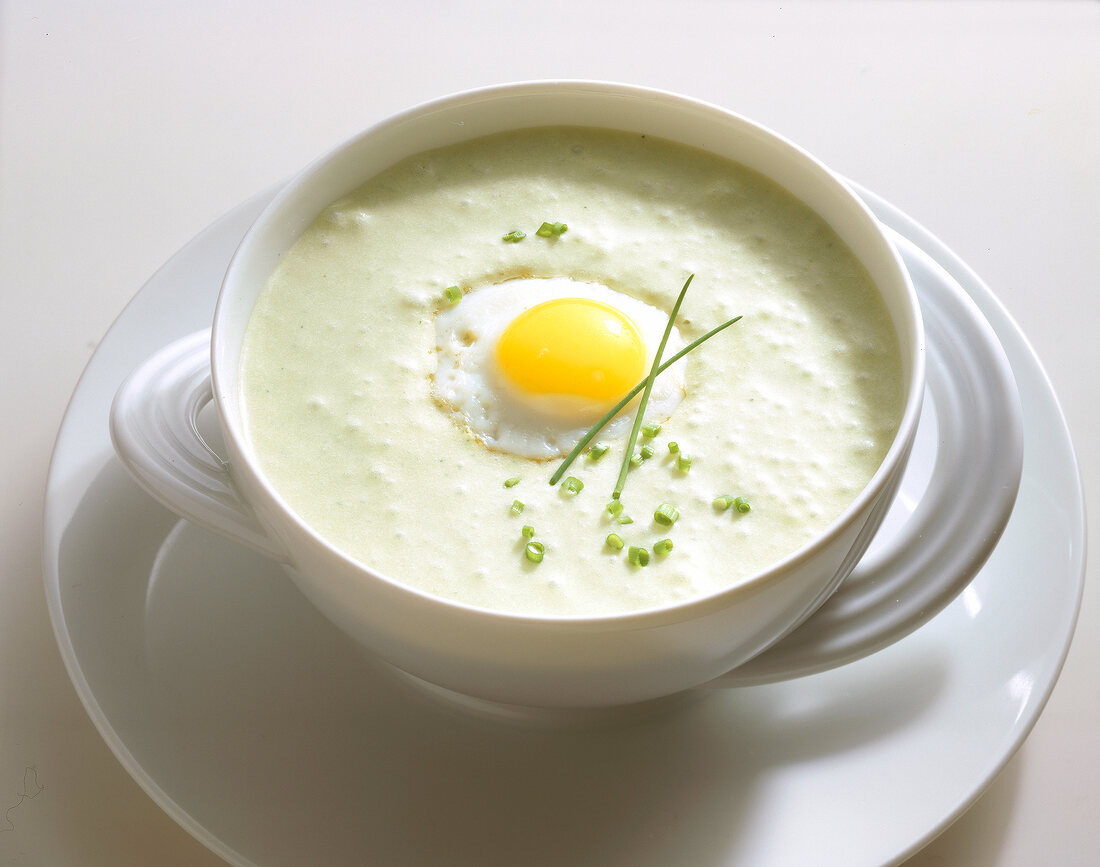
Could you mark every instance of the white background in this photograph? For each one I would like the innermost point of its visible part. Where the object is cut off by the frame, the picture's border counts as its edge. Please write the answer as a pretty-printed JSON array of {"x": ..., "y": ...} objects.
[{"x": 127, "y": 127}]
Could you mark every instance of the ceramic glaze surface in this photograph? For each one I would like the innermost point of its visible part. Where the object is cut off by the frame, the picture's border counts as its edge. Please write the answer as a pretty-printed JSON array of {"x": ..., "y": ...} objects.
[{"x": 588, "y": 661}]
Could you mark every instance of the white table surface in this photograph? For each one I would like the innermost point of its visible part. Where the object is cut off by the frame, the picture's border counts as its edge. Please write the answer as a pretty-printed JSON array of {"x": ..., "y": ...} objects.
[{"x": 126, "y": 127}]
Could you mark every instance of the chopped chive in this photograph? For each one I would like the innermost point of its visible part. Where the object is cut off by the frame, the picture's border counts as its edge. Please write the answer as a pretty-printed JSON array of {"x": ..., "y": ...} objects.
[
  {"x": 637, "y": 556},
  {"x": 683, "y": 463},
  {"x": 666, "y": 514},
  {"x": 534, "y": 551},
  {"x": 624, "y": 519},
  {"x": 723, "y": 502},
  {"x": 573, "y": 485},
  {"x": 646, "y": 452},
  {"x": 650, "y": 429},
  {"x": 742, "y": 505},
  {"x": 614, "y": 508},
  {"x": 629, "y": 396},
  {"x": 517, "y": 507},
  {"x": 598, "y": 450},
  {"x": 673, "y": 448},
  {"x": 636, "y": 459},
  {"x": 512, "y": 482},
  {"x": 648, "y": 389},
  {"x": 528, "y": 531},
  {"x": 452, "y": 294},
  {"x": 614, "y": 540},
  {"x": 662, "y": 547},
  {"x": 514, "y": 236},
  {"x": 551, "y": 230}
]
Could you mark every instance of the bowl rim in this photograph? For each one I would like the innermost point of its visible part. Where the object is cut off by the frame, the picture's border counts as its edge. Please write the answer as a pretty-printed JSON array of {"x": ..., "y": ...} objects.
[{"x": 243, "y": 466}]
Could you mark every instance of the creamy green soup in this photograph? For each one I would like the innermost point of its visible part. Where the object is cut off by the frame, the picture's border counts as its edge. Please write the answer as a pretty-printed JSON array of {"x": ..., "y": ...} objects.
[{"x": 792, "y": 409}]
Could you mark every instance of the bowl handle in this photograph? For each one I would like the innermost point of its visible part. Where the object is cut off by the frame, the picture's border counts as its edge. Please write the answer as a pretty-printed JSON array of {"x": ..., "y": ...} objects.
[
  {"x": 914, "y": 571},
  {"x": 155, "y": 430}
]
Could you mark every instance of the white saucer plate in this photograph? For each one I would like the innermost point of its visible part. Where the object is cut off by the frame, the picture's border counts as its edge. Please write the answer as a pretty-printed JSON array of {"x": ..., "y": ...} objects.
[{"x": 260, "y": 729}]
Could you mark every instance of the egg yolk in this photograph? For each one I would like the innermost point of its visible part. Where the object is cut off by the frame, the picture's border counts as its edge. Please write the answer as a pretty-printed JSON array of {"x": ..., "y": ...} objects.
[{"x": 572, "y": 354}]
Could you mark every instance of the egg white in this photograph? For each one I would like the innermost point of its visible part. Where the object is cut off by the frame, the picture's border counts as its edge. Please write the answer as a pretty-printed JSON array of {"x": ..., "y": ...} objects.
[{"x": 469, "y": 385}]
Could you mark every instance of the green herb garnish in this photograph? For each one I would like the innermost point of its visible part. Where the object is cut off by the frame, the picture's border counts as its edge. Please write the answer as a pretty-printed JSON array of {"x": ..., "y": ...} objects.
[
  {"x": 573, "y": 485},
  {"x": 650, "y": 430},
  {"x": 517, "y": 507},
  {"x": 662, "y": 547},
  {"x": 723, "y": 502},
  {"x": 452, "y": 294},
  {"x": 614, "y": 540},
  {"x": 673, "y": 448},
  {"x": 528, "y": 531},
  {"x": 598, "y": 450},
  {"x": 512, "y": 482},
  {"x": 646, "y": 452},
  {"x": 666, "y": 514},
  {"x": 629, "y": 396},
  {"x": 514, "y": 237},
  {"x": 742, "y": 505},
  {"x": 614, "y": 508},
  {"x": 624, "y": 519},
  {"x": 551, "y": 230},
  {"x": 653, "y": 370},
  {"x": 637, "y": 556},
  {"x": 683, "y": 462},
  {"x": 534, "y": 551}
]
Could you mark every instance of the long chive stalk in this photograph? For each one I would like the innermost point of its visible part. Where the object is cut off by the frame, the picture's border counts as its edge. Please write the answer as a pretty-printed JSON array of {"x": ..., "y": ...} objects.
[
  {"x": 649, "y": 390},
  {"x": 630, "y": 395}
]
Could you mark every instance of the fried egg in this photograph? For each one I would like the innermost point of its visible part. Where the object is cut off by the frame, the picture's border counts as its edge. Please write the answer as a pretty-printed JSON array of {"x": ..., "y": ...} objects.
[{"x": 528, "y": 365}]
